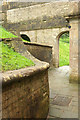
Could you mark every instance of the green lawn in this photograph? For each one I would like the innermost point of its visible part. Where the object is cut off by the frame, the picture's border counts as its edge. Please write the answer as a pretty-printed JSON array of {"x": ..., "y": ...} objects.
[
  {"x": 5, "y": 34},
  {"x": 64, "y": 51},
  {"x": 9, "y": 59}
]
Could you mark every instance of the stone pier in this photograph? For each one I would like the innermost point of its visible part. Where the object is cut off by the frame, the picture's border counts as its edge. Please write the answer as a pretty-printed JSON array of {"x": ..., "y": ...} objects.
[{"x": 74, "y": 48}]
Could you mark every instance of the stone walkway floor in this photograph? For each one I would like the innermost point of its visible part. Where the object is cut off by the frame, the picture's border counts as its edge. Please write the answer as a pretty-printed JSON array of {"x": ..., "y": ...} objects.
[{"x": 63, "y": 95}]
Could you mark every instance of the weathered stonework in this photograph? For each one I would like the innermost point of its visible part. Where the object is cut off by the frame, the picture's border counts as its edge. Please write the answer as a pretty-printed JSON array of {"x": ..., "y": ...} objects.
[
  {"x": 74, "y": 48},
  {"x": 25, "y": 93},
  {"x": 39, "y": 16},
  {"x": 51, "y": 9},
  {"x": 17, "y": 4},
  {"x": 44, "y": 23},
  {"x": 41, "y": 52}
]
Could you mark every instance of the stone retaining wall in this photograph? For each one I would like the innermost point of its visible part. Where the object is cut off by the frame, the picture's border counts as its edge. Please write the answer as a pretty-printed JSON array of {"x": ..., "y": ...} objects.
[
  {"x": 31, "y": 16},
  {"x": 25, "y": 93},
  {"x": 41, "y": 52}
]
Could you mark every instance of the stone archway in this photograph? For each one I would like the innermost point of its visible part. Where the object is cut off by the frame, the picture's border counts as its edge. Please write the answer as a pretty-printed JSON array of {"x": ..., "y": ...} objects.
[
  {"x": 56, "y": 46},
  {"x": 63, "y": 48}
]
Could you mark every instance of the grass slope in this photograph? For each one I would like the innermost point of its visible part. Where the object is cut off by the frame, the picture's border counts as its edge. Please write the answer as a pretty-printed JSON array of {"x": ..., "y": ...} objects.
[
  {"x": 12, "y": 60},
  {"x": 5, "y": 34},
  {"x": 64, "y": 51},
  {"x": 9, "y": 59}
]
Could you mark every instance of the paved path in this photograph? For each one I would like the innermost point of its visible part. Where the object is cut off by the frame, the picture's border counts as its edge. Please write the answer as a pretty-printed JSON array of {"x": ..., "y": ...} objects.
[{"x": 63, "y": 95}]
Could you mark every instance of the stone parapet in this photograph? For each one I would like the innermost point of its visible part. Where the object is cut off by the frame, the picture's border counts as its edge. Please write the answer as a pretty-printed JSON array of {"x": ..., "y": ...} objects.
[
  {"x": 25, "y": 93},
  {"x": 41, "y": 52}
]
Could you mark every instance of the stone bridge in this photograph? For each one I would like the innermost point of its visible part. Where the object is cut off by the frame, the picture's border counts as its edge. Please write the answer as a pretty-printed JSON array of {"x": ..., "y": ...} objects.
[{"x": 44, "y": 23}]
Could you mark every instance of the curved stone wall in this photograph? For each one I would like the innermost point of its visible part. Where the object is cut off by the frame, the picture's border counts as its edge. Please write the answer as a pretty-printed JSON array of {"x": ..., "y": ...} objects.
[
  {"x": 25, "y": 92},
  {"x": 41, "y": 52}
]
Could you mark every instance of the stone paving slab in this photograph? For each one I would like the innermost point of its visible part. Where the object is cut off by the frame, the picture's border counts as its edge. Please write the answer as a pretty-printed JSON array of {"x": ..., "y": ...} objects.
[
  {"x": 55, "y": 112},
  {"x": 63, "y": 95}
]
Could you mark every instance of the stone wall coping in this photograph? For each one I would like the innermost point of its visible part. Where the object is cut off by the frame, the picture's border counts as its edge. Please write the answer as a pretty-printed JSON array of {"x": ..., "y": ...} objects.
[
  {"x": 8, "y": 39},
  {"x": 37, "y": 44},
  {"x": 31, "y": 43},
  {"x": 72, "y": 16},
  {"x": 13, "y": 4},
  {"x": 14, "y": 75},
  {"x": 10, "y": 76}
]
